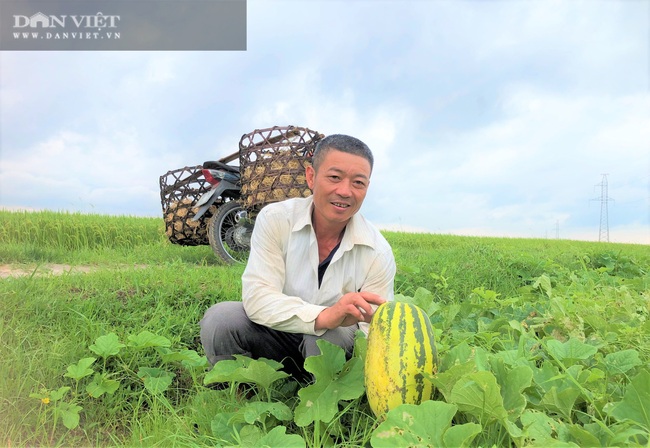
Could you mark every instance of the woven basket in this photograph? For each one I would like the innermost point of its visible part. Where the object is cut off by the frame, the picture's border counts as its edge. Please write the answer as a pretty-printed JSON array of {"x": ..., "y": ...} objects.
[
  {"x": 272, "y": 164},
  {"x": 179, "y": 190}
]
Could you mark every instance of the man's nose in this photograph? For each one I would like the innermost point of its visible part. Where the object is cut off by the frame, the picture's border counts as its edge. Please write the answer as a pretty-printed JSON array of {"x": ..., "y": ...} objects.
[{"x": 344, "y": 189}]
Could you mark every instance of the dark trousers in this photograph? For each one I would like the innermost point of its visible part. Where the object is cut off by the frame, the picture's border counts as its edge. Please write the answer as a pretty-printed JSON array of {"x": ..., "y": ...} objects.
[{"x": 226, "y": 330}]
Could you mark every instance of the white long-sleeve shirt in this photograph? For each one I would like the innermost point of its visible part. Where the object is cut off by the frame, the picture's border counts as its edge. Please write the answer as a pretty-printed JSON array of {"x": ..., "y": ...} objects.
[{"x": 280, "y": 283}]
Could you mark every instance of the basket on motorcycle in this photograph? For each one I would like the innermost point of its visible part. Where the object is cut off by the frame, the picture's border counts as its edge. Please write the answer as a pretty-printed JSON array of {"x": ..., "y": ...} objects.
[
  {"x": 179, "y": 190},
  {"x": 272, "y": 164}
]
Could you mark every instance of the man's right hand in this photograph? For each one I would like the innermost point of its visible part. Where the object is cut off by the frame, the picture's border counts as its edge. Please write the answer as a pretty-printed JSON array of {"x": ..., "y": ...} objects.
[{"x": 352, "y": 308}]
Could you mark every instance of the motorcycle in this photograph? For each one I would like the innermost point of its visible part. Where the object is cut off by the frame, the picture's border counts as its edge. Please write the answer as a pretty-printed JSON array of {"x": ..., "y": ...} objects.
[
  {"x": 279, "y": 153},
  {"x": 229, "y": 229}
]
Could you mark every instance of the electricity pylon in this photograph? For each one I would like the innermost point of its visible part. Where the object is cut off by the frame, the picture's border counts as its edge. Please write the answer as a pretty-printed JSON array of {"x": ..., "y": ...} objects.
[{"x": 603, "y": 234}]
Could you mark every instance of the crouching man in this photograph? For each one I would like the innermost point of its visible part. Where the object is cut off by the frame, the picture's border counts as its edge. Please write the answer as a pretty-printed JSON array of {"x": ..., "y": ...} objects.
[{"x": 317, "y": 269}]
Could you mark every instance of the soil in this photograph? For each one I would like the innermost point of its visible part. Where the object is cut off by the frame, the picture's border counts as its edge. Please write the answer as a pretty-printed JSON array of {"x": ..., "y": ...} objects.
[{"x": 8, "y": 270}]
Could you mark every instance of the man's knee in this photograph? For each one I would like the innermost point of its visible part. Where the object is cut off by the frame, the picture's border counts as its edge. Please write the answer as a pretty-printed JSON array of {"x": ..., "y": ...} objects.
[
  {"x": 342, "y": 336},
  {"x": 219, "y": 328}
]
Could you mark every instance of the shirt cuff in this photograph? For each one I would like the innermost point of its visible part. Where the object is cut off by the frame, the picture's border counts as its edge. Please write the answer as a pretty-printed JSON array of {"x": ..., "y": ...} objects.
[{"x": 308, "y": 315}]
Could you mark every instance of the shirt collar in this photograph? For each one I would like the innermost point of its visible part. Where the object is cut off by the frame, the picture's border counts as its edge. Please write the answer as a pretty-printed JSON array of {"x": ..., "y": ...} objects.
[
  {"x": 303, "y": 214},
  {"x": 357, "y": 230}
]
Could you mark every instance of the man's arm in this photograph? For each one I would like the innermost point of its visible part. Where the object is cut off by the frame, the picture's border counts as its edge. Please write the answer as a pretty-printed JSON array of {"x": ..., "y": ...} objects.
[
  {"x": 357, "y": 307},
  {"x": 351, "y": 309},
  {"x": 263, "y": 280}
]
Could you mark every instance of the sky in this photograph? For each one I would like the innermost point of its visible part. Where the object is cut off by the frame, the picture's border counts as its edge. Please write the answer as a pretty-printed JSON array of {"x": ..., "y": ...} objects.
[{"x": 486, "y": 118}]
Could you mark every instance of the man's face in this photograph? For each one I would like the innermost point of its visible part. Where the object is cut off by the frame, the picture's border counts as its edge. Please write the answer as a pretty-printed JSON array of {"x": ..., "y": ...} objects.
[{"x": 339, "y": 186}]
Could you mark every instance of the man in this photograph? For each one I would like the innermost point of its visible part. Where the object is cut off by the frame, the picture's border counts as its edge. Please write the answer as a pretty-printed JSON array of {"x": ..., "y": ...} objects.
[{"x": 317, "y": 269}]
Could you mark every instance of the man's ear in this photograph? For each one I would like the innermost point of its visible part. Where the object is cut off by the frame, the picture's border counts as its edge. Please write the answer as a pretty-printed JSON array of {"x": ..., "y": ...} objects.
[{"x": 310, "y": 174}]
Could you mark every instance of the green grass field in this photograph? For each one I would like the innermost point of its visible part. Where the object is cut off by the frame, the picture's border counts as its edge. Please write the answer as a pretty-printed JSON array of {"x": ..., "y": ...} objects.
[{"x": 111, "y": 356}]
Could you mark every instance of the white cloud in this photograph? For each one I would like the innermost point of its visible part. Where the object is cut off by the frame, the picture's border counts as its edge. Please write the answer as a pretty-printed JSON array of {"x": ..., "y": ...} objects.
[
  {"x": 535, "y": 166},
  {"x": 488, "y": 117},
  {"x": 87, "y": 173}
]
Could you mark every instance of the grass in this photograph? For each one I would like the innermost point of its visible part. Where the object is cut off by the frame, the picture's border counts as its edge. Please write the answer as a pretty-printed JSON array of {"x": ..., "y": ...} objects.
[{"x": 142, "y": 282}]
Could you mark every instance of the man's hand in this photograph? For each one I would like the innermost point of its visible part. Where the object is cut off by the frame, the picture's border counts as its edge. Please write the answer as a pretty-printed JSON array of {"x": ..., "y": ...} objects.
[{"x": 352, "y": 308}]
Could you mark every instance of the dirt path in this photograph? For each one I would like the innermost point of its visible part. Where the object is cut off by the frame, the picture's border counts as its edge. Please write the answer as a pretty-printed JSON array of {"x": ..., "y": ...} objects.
[{"x": 8, "y": 270}]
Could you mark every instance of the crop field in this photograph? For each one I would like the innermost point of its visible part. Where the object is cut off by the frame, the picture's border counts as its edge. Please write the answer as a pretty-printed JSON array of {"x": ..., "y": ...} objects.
[{"x": 540, "y": 343}]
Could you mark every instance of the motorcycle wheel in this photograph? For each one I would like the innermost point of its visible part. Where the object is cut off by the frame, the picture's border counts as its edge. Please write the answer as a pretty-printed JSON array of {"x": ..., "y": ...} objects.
[{"x": 221, "y": 229}]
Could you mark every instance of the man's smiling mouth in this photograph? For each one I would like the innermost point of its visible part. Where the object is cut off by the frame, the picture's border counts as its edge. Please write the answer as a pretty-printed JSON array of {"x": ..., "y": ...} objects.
[{"x": 339, "y": 204}]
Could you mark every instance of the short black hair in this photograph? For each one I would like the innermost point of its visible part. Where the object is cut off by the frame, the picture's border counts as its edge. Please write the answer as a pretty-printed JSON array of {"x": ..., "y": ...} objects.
[{"x": 343, "y": 143}]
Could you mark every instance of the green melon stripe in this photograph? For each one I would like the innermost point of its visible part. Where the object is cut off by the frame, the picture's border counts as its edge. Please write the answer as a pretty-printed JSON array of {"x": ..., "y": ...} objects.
[
  {"x": 432, "y": 344},
  {"x": 401, "y": 329},
  {"x": 422, "y": 340},
  {"x": 386, "y": 318}
]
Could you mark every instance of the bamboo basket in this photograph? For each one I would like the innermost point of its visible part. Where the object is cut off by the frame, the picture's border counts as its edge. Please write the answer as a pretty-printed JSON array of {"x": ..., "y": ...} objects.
[
  {"x": 179, "y": 190},
  {"x": 272, "y": 164}
]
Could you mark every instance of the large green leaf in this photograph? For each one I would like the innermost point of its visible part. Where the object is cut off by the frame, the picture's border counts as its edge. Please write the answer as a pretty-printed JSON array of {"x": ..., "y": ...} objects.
[
  {"x": 460, "y": 354},
  {"x": 547, "y": 376},
  {"x": 445, "y": 380},
  {"x": 69, "y": 414},
  {"x": 146, "y": 339},
  {"x": 513, "y": 381},
  {"x": 278, "y": 437},
  {"x": 188, "y": 358},
  {"x": 425, "y": 425},
  {"x": 107, "y": 345},
  {"x": 555, "y": 391},
  {"x": 635, "y": 405},
  {"x": 249, "y": 436},
  {"x": 334, "y": 380},
  {"x": 543, "y": 282},
  {"x": 360, "y": 344},
  {"x": 461, "y": 435},
  {"x": 478, "y": 394},
  {"x": 243, "y": 369},
  {"x": 156, "y": 380},
  {"x": 424, "y": 299},
  {"x": 538, "y": 426},
  {"x": 560, "y": 400},
  {"x": 102, "y": 385},
  {"x": 58, "y": 394},
  {"x": 48, "y": 396},
  {"x": 571, "y": 350},
  {"x": 225, "y": 428},
  {"x": 621, "y": 362},
  {"x": 81, "y": 369},
  {"x": 257, "y": 411},
  {"x": 583, "y": 437}
]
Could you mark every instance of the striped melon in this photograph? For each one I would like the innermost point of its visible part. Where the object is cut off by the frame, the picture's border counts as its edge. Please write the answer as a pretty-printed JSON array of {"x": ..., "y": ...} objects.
[{"x": 400, "y": 347}]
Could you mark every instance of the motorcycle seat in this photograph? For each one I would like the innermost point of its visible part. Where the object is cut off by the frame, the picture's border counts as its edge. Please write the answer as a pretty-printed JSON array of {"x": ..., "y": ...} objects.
[{"x": 211, "y": 164}]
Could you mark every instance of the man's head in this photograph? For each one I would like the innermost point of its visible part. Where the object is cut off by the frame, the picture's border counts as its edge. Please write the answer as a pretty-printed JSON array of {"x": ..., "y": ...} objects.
[
  {"x": 343, "y": 143},
  {"x": 339, "y": 179}
]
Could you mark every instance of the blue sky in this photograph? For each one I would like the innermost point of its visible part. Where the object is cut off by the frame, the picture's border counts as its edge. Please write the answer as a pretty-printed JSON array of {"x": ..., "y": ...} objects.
[{"x": 492, "y": 118}]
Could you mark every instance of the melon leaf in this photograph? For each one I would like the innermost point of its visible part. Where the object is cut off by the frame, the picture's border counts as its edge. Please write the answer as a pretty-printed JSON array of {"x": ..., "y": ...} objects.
[
  {"x": 635, "y": 405},
  {"x": 334, "y": 380},
  {"x": 426, "y": 424},
  {"x": 107, "y": 345},
  {"x": 571, "y": 350},
  {"x": 278, "y": 437},
  {"x": 146, "y": 339},
  {"x": 478, "y": 394},
  {"x": 513, "y": 381},
  {"x": 243, "y": 369},
  {"x": 81, "y": 369},
  {"x": 621, "y": 362}
]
